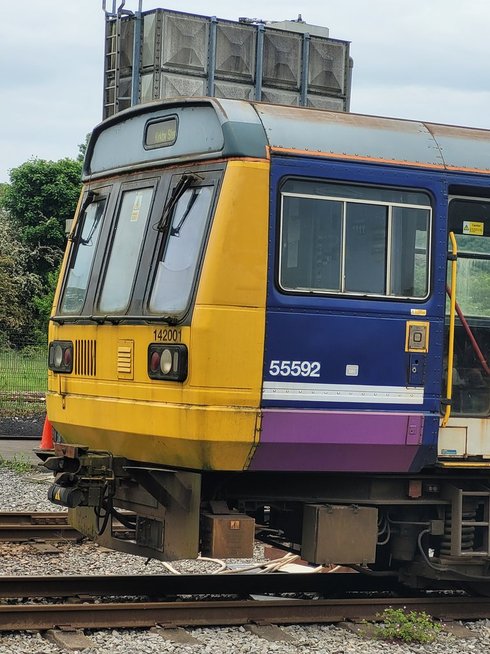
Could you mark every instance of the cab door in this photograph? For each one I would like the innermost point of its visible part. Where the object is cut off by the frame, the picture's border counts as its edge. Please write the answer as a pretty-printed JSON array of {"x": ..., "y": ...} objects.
[{"x": 467, "y": 433}]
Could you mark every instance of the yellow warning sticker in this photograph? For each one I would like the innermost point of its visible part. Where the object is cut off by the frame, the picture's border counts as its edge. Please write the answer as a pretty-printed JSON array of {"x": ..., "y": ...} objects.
[
  {"x": 135, "y": 213},
  {"x": 473, "y": 228}
]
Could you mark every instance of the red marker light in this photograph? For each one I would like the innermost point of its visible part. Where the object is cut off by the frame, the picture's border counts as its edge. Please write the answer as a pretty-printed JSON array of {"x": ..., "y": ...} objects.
[
  {"x": 67, "y": 357},
  {"x": 155, "y": 362}
]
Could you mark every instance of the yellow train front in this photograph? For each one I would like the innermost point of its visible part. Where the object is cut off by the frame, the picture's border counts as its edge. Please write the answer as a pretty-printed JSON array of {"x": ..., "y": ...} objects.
[
  {"x": 251, "y": 323},
  {"x": 157, "y": 338}
]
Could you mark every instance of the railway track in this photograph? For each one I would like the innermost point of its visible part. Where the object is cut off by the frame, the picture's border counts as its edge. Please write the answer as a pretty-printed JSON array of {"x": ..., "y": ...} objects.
[
  {"x": 165, "y": 586},
  {"x": 123, "y": 601},
  {"x": 20, "y": 527},
  {"x": 219, "y": 612},
  {"x": 177, "y": 600}
]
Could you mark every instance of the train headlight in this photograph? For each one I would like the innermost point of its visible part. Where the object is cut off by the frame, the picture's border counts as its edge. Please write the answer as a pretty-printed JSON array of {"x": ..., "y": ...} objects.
[
  {"x": 60, "y": 356},
  {"x": 57, "y": 356},
  {"x": 167, "y": 361}
]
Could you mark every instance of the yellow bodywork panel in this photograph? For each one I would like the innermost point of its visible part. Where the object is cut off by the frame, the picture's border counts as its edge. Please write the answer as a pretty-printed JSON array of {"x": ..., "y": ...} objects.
[{"x": 212, "y": 420}]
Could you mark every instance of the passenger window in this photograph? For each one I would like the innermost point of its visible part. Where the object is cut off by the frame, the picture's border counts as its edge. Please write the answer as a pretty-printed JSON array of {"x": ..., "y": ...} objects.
[
  {"x": 124, "y": 255},
  {"x": 365, "y": 248},
  {"x": 409, "y": 268},
  {"x": 82, "y": 257},
  {"x": 354, "y": 240},
  {"x": 311, "y": 243},
  {"x": 177, "y": 267}
]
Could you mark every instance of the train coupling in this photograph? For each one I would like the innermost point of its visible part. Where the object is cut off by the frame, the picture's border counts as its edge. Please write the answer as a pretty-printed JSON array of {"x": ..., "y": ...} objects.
[
  {"x": 82, "y": 478},
  {"x": 126, "y": 505}
]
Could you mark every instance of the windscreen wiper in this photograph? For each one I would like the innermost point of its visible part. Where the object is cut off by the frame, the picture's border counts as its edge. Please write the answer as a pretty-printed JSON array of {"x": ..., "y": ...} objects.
[
  {"x": 97, "y": 218},
  {"x": 175, "y": 231},
  {"x": 180, "y": 188},
  {"x": 115, "y": 320},
  {"x": 88, "y": 201},
  {"x": 76, "y": 237}
]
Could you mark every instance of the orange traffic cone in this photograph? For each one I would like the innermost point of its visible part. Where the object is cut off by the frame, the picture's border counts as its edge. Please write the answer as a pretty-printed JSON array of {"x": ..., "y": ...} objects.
[{"x": 47, "y": 437}]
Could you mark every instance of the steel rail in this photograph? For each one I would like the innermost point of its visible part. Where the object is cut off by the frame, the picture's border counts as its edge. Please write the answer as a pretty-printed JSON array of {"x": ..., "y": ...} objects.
[
  {"x": 221, "y": 613},
  {"x": 16, "y": 527},
  {"x": 33, "y": 517},
  {"x": 159, "y": 586}
]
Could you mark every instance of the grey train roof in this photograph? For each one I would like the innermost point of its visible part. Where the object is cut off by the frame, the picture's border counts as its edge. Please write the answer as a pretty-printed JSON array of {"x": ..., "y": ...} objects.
[{"x": 210, "y": 128}]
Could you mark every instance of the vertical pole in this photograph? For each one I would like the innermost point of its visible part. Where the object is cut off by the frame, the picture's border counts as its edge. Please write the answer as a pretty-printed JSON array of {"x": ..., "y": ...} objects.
[
  {"x": 135, "y": 76},
  {"x": 107, "y": 105},
  {"x": 117, "y": 73},
  {"x": 259, "y": 62},
  {"x": 348, "y": 83},
  {"x": 305, "y": 67},
  {"x": 453, "y": 258},
  {"x": 157, "y": 54},
  {"x": 213, "y": 27}
]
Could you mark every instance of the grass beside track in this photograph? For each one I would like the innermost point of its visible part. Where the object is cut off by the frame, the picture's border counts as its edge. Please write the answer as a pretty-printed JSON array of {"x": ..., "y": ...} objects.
[{"x": 23, "y": 382}]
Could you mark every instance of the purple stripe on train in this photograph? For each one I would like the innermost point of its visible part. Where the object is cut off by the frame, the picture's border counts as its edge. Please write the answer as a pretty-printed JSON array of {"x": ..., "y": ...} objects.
[{"x": 337, "y": 441}]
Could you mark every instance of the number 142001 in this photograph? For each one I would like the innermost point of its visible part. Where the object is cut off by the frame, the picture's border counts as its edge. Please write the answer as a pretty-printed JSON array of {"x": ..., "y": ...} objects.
[{"x": 167, "y": 335}]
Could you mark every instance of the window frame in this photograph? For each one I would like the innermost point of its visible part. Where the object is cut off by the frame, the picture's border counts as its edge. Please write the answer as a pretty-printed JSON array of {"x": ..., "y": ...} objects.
[
  {"x": 155, "y": 121},
  {"x": 463, "y": 252},
  {"x": 125, "y": 186},
  {"x": 212, "y": 177},
  {"x": 104, "y": 194},
  {"x": 154, "y": 240},
  {"x": 344, "y": 200}
]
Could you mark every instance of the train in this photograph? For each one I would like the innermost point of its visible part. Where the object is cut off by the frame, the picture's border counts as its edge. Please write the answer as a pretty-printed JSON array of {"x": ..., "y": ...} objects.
[{"x": 273, "y": 322}]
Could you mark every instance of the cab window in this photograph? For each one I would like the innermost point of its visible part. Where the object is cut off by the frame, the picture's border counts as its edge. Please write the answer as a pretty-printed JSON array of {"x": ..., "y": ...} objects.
[
  {"x": 82, "y": 258},
  {"x": 178, "y": 262},
  {"x": 129, "y": 232}
]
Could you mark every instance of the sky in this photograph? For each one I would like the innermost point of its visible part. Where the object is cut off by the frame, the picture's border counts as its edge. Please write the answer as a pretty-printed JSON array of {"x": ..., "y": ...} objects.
[{"x": 421, "y": 59}]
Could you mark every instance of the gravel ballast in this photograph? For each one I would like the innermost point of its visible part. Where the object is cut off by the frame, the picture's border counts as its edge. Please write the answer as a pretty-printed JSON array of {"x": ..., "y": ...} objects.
[{"x": 27, "y": 492}]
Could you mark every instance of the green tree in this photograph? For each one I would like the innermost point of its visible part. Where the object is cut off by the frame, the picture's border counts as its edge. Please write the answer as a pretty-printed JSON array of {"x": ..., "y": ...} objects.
[
  {"x": 82, "y": 148},
  {"x": 43, "y": 301},
  {"x": 41, "y": 196},
  {"x": 17, "y": 287}
]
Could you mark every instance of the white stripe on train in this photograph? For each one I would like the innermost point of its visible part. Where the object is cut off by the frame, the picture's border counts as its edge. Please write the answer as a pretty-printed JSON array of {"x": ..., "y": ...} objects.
[{"x": 353, "y": 393}]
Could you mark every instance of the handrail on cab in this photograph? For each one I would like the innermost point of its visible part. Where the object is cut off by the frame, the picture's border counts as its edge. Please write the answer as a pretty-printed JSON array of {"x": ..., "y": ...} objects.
[{"x": 453, "y": 257}]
